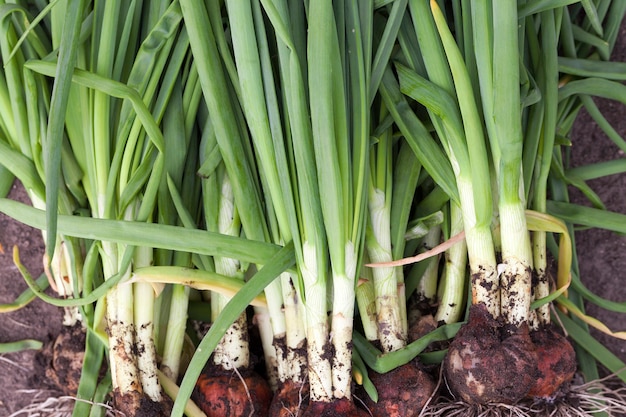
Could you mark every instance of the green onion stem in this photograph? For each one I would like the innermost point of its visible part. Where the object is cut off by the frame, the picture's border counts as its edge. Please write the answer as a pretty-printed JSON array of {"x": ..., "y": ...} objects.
[
  {"x": 12, "y": 69},
  {"x": 255, "y": 73},
  {"x": 23, "y": 123},
  {"x": 66, "y": 265},
  {"x": 206, "y": 39},
  {"x": 463, "y": 143},
  {"x": 311, "y": 262},
  {"x": 340, "y": 127},
  {"x": 549, "y": 77},
  {"x": 101, "y": 133},
  {"x": 477, "y": 224},
  {"x": 515, "y": 238}
]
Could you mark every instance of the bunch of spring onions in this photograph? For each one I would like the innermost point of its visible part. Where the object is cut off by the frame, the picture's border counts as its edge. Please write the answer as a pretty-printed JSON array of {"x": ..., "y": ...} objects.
[
  {"x": 101, "y": 154},
  {"x": 495, "y": 358},
  {"x": 507, "y": 352},
  {"x": 266, "y": 164},
  {"x": 321, "y": 140}
]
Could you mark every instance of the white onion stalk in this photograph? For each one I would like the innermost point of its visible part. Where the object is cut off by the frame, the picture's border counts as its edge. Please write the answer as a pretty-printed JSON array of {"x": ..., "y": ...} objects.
[
  {"x": 272, "y": 329},
  {"x": 233, "y": 351},
  {"x": 120, "y": 327},
  {"x": 319, "y": 365},
  {"x": 451, "y": 300},
  {"x": 340, "y": 154},
  {"x": 175, "y": 334},
  {"x": 60, "y": 275},
  {"x": 366, "y": 302},
  {"x": 427, "y": 287},
  {"x": 541, "y": 316},
  {"x": 550, "y": 91},
  {"x": 462, "y": 138},
  {"x": 483, "y": 364},
  {"x": 144, "y": 326},
  {"x": 391, "y": 331},
  {"x": 274, "y": 371},
  {"x": 515, "y": 279},
  {"x": 308, "y": 230},
  {"x": 130, "y": 327},
  {"x": 481, "y": 253},
  {"x": 295, "y": 317},
  {"x": 342, "y": 322}
]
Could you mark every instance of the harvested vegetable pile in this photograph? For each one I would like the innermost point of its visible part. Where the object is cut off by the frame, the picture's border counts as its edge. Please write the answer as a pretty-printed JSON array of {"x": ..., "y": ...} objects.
[{"x": 324, "y": 208}]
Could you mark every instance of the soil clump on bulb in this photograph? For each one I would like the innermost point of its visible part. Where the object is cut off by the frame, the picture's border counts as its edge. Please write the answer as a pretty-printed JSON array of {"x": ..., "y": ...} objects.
[
  {"x": 402, "y": 392},
  {"x": 139, "y": 405},
  {"x": 63, "y": 359},
  {"x": 486, "y": 364}
]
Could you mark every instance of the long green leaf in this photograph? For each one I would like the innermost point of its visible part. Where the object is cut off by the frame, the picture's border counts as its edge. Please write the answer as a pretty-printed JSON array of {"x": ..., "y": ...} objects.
[
  {"x": 111, "y": 88},
  {"x": 422, "y": 143},
  {"x": 537, "y": 6},
  {"x": 383, "y": 363},
  {"x": 386, "y": 45},
  {"x": 26, "y": 297},
  {"x": 587, "y": 216},
  {"x": 255, "y": 106},
  {"x": 88, "y": 384},
  {"x": 442, "y": 105},
  {"x": 56, "y": 121},
  {"x": 598, "y": 170},
  {"x": 23, "y": 168},
  {"x": 18, "y": 346},
  {"x": 322, "y": 50},
  {"x": 593, "y": 68},
  {"x": 224, "y": 117},
  {"x": 147, "y": 234},
  {"x": 92, "y": 297}
]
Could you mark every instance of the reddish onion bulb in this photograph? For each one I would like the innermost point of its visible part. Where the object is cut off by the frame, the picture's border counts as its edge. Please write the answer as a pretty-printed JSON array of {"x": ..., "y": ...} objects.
[
  {"x": 402, "y": 392},
  {"x": 289, "y": 399},
  {"x": 556, "y": 363},
  {"x": 337, "y": 408},
  {"x": 229, "y": 395}
]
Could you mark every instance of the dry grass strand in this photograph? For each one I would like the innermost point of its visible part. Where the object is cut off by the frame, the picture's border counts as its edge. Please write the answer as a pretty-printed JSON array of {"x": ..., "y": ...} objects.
[
  {"x": 45, "y": 403},
  {"x": 606, "y": 395}
]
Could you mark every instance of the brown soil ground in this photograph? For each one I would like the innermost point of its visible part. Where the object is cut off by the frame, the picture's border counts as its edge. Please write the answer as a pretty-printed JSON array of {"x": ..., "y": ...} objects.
[
  {"x": 601, "y": 255},
  {"x": 20, "y": 372}
]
